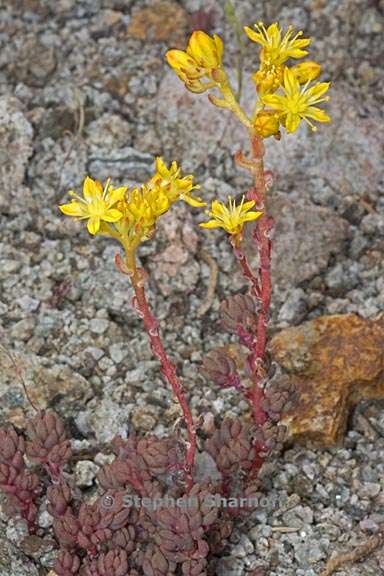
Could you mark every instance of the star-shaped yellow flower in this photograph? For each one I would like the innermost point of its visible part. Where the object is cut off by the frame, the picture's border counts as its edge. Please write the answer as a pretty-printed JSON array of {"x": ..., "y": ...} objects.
[
  {"x": 298, "y": 102},
  {"x": 96, "y": 205},
  {"x": 277, "y": 49},
  {"x": 231, "y": 218},
  {"x": 173, "y": 185}
]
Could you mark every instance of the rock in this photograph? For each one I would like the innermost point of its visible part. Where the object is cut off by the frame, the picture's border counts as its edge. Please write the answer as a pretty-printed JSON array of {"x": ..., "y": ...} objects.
[
  {"x": 13, "y": 562},
  {"x": 85, "y": 473},
  {"x": 144, "y": 418},
  {"x": 230, "y": 566},
  {"x": 335, "y": 362},
  {"x": 108, "y": 132},
  {"x": 305, "y": 238},
  {"x": 181, "y": 111},
  {"x": 35, "y": 63},
  {"x": 122, "y": 163},
  {"x": 27, "y": 303},
  {"x": 174, "y": 267},
  {"x": 162, "y": 21},
  {"x": 294, "y": 308},
  {"x": 16, "y": 148},
  {"x": 104, "y": 418},
  {"x": 118, "y": 351},
  {"x": 98, "y": 325},
  {"x": 57, "y": 386}
]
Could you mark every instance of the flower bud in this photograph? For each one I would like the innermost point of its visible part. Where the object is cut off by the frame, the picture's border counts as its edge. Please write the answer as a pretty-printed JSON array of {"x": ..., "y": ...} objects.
[
  {"x": 306, "y": 71},
  {"x": 266, "y": 123},
  {"x": 206, "y": 51},
  {"x": 184, "y": 65}
]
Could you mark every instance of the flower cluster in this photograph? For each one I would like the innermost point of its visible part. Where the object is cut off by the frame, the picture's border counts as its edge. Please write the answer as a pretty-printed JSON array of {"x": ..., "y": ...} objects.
[
  {"x": 201, "y": 60},
  {"x": 296, "y": 100},
  {"x": 130, "y": 214}
]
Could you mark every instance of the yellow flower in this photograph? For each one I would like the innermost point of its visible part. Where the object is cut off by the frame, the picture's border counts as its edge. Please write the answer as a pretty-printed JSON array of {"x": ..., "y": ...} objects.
[
  {"x": 98, "y": 204},
  {"x": 298, "y": 102},
  {"x": 206, "y": 51},
  {"x": 173, "y": 185},
  {"x": 231, "y": 218},
  {"x": 266, "y": 123},
  {"x": 306, "y": 71},
  {"x": 275, "y": 49},
  {"x": 202, "y": 56},
  {"x": 268, "y": 78}
]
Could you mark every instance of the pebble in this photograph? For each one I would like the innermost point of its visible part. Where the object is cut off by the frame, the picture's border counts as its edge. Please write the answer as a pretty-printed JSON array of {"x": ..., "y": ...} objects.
[
  {"x": 327, "y": 247},
  {"x": 98, "y": 325},
  {"x": 294, "y": 308},
  {"x": 85, "y": 473},
  {"x": 27, "y": 303}
]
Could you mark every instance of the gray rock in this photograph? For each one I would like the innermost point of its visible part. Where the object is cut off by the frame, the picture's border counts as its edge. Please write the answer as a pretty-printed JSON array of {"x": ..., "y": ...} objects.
[
  {"x": 124, "y": 163},
  {"x": 294, "y": 308},
  {"x": 230, "y": 566},
  {"x": 118, "y": 351},
  {"x": 16, "y": 148},
  {"x": 28, "y": 304},
  {"x": 305, "y": 238},
  {"x": 98, "y": 325},
  {"x": 85, "y": 473},
  {"x": 13, "y": 562}
]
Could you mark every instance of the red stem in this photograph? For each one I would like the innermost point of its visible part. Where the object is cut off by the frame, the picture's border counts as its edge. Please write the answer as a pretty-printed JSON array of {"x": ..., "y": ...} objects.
[
  {"x": 261, "y": 285},
  {"x": 167, "y": 367},
  {"x": 247, "y": 272}
]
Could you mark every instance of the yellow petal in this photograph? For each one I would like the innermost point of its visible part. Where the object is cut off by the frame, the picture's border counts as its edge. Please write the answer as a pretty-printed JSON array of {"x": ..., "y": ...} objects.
[
  {"x": 211, "y": 224},
  {"x": 93, "y": 225},
  {"x": 306, "y": 71},
  {"x": 182, "y": 62},
  {"x": 73, "y": 209},
  {"x": 161, "y": 167},
  {"x": 251, "y": 216},
  {"x": 195, "y": 202},
  {"x": 203, "y": 49},
  {"x": 218, "y": 208},
  {"x": 219, "y": 46},
  {"x": 115, "y": 195},
  {"x": 273, "y": 100},
  {"x": 274, "y": 33},
  {"x": 292, "y": 122},
  {"x": 253, "y": 35},
  {"x": 112, "y": 215},
  {"x": 317, "y": 114},
  {"x": 317, "y": 91},
  {"x": 291, "y": 84},
  {"x": 92, "y": 188},
  {"x": 248, "y": 205}
]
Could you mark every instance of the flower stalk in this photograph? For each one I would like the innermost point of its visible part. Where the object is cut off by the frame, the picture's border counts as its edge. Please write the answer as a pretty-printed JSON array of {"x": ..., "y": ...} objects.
[{"x": 168, "y": 369}]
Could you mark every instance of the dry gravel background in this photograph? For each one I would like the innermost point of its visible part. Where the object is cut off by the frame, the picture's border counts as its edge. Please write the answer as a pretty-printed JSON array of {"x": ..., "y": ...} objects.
[{"x": 84, "y": 90}]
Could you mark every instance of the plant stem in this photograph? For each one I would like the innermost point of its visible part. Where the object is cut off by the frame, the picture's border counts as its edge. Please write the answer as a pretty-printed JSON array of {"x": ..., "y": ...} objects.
[
  {"x": 226, "y": 89},
  {"x": 247, "y": 272},
  {"x": 261, "y": 236},
  {"x": 167, "y": 367},
  {"x": 261, "y": 285}
]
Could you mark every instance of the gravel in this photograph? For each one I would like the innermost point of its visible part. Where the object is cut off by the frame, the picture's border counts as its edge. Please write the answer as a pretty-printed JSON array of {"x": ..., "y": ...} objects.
[{"x": 79, "y": 95}]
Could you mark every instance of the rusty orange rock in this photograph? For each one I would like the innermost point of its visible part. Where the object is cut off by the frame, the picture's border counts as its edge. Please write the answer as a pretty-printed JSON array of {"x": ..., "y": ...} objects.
[
  {"x": 164, "y": 21},
  {"x": 335, "y": 362}
]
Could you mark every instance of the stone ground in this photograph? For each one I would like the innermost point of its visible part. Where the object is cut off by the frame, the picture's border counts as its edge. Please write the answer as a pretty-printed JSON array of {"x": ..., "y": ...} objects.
[{"x": 84, "y": 89}]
